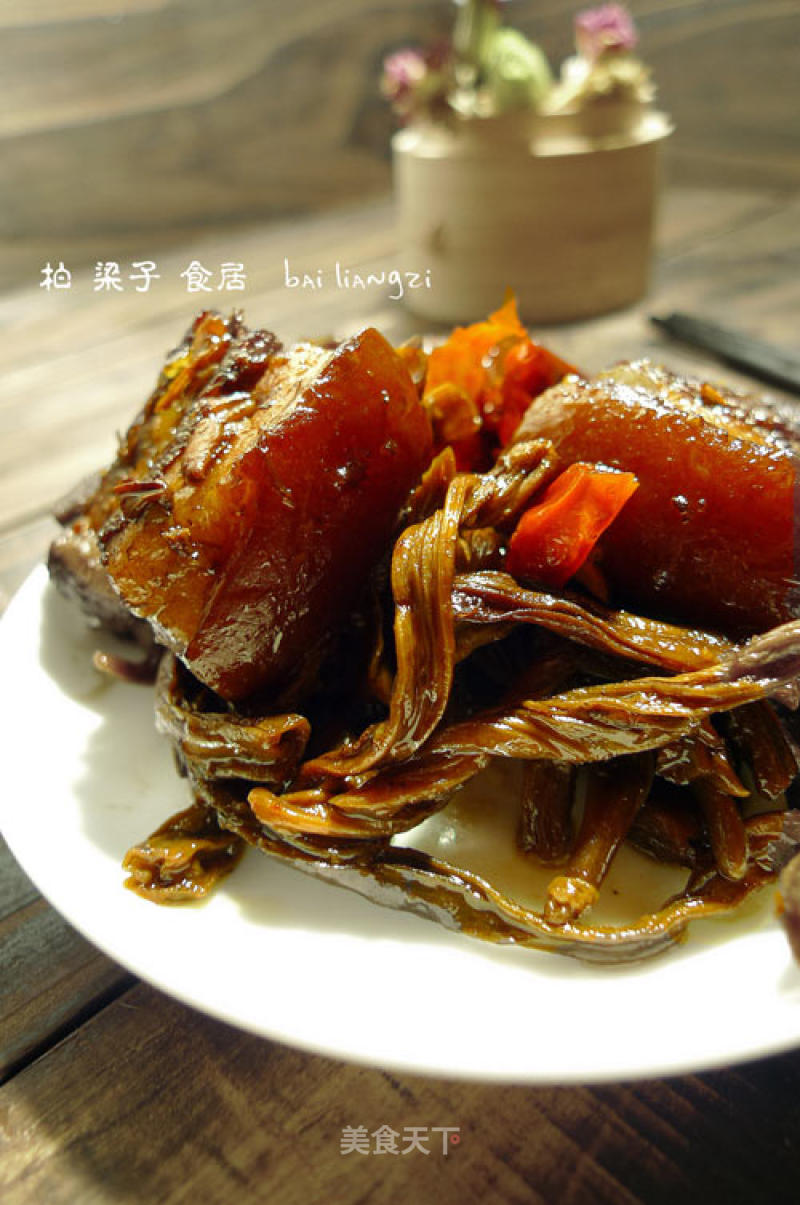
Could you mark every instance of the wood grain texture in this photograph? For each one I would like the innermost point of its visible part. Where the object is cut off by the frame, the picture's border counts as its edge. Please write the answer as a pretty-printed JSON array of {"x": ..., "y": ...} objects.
[
  {"x": 163, "y": 116},
  {"x": 50, "y": 977},
  {"x": 16, "y": 889},
  {"x": 150, "y": 1101}
]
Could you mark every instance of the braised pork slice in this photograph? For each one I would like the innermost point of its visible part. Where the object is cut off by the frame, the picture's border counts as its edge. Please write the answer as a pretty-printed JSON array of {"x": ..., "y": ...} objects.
[
  {"x": 248, "y": 537},
  {"x": 217, "y": 358},
  {"x": 708, "y": 537}
]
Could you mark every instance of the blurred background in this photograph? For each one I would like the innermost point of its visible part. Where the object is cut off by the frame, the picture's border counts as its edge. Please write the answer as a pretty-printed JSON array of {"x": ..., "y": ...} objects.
[{"x": 126, "y": 120}]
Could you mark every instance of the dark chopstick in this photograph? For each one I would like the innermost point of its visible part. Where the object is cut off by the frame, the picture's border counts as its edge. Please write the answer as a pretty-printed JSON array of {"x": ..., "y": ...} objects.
[{"x": 754, "y": 356}]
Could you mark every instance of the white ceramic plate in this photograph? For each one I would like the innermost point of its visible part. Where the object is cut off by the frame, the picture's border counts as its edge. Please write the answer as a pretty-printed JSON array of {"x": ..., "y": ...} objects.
[{"x": 279, "y": 954}]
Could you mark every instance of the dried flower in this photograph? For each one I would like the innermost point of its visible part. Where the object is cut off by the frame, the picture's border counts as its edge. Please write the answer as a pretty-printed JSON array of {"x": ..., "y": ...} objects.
[
  {"x": 606, "y": 28},
  {"x": 402, "y": 72},
  {"x": 604, "y": 68},
  {"x": 417, "y": 81},
  {"x": 489, "y": 69}
]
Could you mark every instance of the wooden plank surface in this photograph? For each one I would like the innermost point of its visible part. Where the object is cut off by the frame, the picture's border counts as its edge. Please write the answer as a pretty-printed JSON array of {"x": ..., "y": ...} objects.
[
  {"x": 150, "y": 1101},
  {"x": 50, "y": 979},
  {"x": 151, "y": 115}
]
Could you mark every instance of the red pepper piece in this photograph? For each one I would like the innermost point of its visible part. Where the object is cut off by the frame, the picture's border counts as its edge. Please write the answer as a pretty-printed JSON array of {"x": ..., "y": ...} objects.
[
  {"x": 500, "y": 370},
  {"x": 555, "y": 535},
  {"x": 528, "y": 370}
]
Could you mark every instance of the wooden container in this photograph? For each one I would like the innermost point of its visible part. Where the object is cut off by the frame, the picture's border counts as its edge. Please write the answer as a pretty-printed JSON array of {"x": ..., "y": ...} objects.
[{"x": 558, "y": 208}]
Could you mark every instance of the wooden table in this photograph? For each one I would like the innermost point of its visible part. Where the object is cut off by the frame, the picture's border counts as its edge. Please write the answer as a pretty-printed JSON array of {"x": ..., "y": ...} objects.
[{"x": 114, "y": 1092}]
